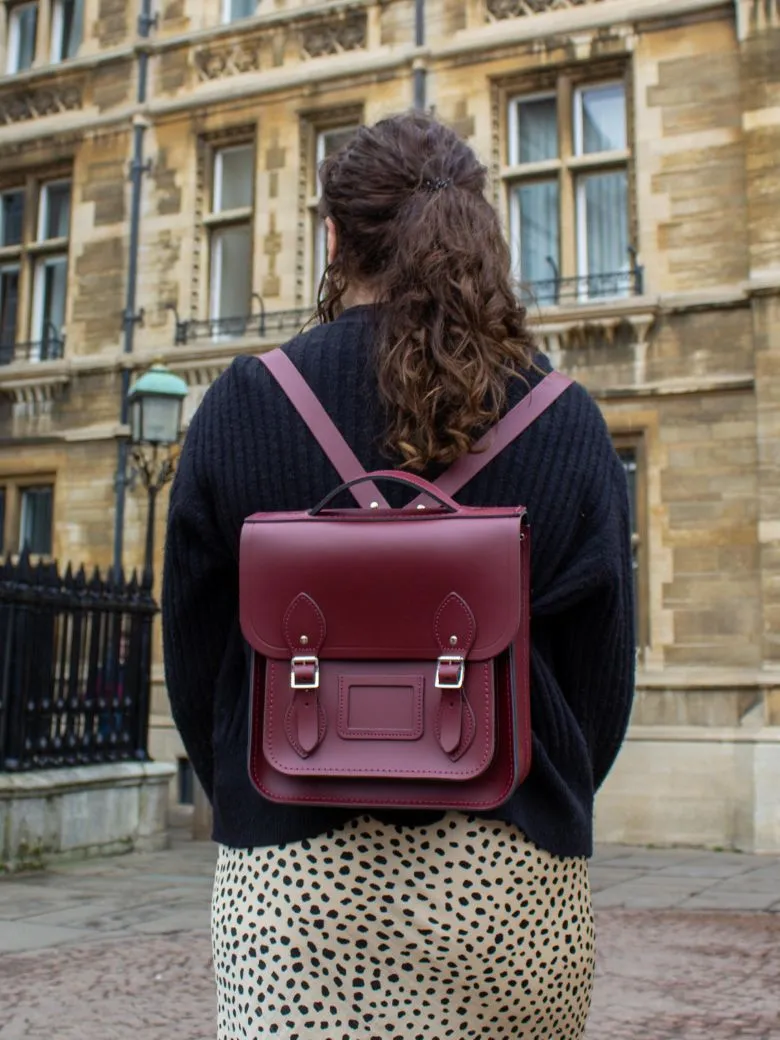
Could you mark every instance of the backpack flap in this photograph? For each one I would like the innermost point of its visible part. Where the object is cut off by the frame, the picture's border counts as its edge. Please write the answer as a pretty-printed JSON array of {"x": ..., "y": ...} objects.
[{"x": 382, "y": 644}]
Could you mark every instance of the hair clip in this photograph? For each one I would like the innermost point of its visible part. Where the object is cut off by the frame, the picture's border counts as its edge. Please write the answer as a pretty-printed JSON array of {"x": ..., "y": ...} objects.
[{"x": 432, "y": 186}]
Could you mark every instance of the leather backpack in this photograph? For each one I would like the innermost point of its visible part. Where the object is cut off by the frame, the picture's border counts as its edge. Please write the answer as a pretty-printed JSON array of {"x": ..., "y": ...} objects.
[{"x": 390, "y": 647}]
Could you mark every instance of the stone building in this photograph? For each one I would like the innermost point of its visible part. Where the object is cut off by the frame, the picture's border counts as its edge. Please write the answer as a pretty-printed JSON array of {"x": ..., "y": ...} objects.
[{"x": 633, "y": 147}]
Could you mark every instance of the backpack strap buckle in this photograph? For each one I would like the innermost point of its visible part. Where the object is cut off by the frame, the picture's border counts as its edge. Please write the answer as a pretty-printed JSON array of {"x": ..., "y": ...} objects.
[
  {"x": 450, "y": 671},
  {"x": 305, "y": 673}
]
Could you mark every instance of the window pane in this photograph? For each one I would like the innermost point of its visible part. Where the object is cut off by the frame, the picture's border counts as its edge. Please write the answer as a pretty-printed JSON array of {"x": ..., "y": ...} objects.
[
  {"x": 603, "y": 119},
  {"x": 2, "y": 519},
  {"x": 35, "y": 529},
  {"x": 329, "y": 141},
  {"x": 51, "y": 284},
  {"x": 231, "y": 272},
  {"x": 22, "y": 29},
  {"x": 235, "y": 9},
  {"x": 603, "y": 228},
  {"x": 11, "y": 214},
  {"x": 535, "y": 238},
  {"x": 628, "y": 458},
  {"x": 537, "y": 131},
  {"x": 233, "y": 176},
  {"x": 9, "y": 309},
  {"x": 55, "y": 211},
  {"x": 68, "y": 22}
]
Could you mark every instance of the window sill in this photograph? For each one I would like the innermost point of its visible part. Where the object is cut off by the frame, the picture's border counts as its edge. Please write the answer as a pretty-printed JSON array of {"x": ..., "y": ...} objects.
[
  {"x": 25, "y": 381},
  {"x": 563, "y": 327}
]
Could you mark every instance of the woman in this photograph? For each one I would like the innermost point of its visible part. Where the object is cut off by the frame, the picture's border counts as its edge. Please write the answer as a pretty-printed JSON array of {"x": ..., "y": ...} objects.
[{"x": 406, "y": 924}]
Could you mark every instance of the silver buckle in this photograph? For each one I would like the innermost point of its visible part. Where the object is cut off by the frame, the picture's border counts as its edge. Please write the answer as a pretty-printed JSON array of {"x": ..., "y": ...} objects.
[
  {"x": 457, "y": 659},
  {"x": 294, "y": 684}
]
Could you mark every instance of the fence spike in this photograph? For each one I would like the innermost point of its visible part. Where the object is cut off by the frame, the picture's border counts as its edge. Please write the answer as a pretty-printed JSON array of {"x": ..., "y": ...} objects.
[{"x": 24, "y": 567}]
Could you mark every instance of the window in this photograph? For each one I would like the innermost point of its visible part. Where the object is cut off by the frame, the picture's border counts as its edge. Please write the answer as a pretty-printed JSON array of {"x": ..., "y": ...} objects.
[
  {"x": 9, "y": 310},
  {"x": 33, "y": 269},
  {"x": 232, "y": 10},
  {"x": 327, "y": 141},
  {"x": 567, "y": 183},
  {"x": 11, "y": 213},
  {"x": 230, "y": 226},
  {"x": 26, "y": 515},
  {"x": 35, "y": 523},
  {"x": 186, "y": 782},
  {"x": 22, "y": 32},
  {"x": 66, "y": 29},
  {"x": 50, "y": 279},
  {"x": 631, "y": 455}
]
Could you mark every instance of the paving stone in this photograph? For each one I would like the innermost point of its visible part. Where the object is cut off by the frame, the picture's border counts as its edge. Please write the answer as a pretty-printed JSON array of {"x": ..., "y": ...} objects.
[
  {"x": 715, "y": 900},
  {"x": 103, "y": 952}
]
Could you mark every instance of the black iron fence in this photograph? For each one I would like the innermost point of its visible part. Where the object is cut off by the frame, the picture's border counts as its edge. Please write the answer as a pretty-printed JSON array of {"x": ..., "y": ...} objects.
[
  {"x": 592, "y": 288},
  {"x": 259, "y": 323},
  {"x": 50, "y": 348},
  {"x": 75, "y": 667}
]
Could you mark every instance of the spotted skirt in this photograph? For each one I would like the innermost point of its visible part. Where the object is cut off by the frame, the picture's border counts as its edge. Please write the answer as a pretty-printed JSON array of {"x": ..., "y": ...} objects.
[{"x": 459, "y": 929}]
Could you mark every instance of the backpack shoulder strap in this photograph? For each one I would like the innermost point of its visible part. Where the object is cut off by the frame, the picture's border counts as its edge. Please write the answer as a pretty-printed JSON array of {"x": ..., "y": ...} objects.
[
  {"x": 348, "y": 466},
  {"x": 506, "y": 430},
  {"x": 322, "y": 427}
]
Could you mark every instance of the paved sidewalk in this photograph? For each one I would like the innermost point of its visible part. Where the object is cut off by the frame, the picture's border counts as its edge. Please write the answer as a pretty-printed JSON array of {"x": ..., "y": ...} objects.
[{"x": 689, "y": 948}]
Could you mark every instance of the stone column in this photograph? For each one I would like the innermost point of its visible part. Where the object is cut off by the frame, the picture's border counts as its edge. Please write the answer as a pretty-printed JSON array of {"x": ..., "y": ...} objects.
[
  {"x": 43, "y": 34},
  {"x": 759, "y": 29}
]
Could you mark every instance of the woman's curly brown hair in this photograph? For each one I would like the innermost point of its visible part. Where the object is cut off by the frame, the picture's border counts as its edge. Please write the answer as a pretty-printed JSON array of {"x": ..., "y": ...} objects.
[{"x": 413, "y": 226}]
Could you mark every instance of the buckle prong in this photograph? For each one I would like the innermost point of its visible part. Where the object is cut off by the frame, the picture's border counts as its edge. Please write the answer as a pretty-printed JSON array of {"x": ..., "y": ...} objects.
[
  {"x": 450, "y": 659},
  {"x": 302, "y": 662}
]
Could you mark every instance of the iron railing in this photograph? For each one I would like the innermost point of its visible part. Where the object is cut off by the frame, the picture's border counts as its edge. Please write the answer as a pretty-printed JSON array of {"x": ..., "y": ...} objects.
[
  {"x": 50, "y": 348},
  {"x": 259, "y": 323},
  {"x": 611, "y": 285},
  {"x": 75, "y": 667}
]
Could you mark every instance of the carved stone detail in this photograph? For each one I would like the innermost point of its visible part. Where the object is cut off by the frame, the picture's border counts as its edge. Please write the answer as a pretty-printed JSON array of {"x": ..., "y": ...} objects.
[
  {"x": 231, "y": 60},
  {"x": 33, "y": 391},
  {"x": 598, "y": 332},
  {"x": 499, "y": 9},
  {"x": 35, "y": 104},
  {"x": 755, "y": 16},
  {"x": 334, "y": 37}
]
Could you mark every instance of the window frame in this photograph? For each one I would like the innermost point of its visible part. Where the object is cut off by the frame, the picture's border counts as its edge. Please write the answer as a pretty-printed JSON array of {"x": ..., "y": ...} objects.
[
  {"x": 14, "y": 485},
  {"x": 216, "y": 221},
  {"x": 33, "y": 254},
  {"x": 56, "y": 56},
  {"x": 318, "y": 237},
  {"x": 570, "y": 168},
  {"x": 636, "y": 442},
  {"x": 226, "y": 13},
  {"x": 13, "y": 36}
]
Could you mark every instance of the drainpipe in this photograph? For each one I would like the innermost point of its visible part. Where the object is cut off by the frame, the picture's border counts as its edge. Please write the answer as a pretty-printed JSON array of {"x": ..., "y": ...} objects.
[
  {"x": 419, "y": 67},
  {"x": 131, "y": 317}
]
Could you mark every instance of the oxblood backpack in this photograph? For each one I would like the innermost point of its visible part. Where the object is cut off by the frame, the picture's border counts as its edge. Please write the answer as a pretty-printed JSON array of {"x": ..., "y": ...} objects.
[{"x": 390, "y": 647}]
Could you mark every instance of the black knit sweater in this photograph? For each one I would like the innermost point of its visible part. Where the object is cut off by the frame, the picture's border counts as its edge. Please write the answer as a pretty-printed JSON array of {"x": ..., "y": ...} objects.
[{"x": 247, "y": 450}]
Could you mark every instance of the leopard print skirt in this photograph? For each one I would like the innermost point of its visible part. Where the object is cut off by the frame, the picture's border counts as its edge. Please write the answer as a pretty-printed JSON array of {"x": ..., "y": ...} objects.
[{"x": 462, "y": 928}]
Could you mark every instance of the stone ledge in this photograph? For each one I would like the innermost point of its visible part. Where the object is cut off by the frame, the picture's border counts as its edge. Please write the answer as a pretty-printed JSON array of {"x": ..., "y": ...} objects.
[
  {"x": 80, "y": 812},
  {"x": 696, "y": 787}
]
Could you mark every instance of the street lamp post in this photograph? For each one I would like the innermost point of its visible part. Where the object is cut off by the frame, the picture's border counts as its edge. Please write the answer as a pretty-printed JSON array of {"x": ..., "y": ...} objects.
[{"x": 155, "y": 401}]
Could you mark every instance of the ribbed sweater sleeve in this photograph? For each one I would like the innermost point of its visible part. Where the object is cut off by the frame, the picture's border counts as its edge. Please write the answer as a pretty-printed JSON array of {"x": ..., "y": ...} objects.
[
  {"x": 200, "y": 582},
  {"x": 590, "y": 630}
]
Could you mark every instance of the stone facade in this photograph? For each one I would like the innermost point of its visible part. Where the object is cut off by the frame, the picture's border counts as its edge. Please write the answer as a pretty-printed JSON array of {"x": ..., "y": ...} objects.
[{"x": 686, "y": 365}]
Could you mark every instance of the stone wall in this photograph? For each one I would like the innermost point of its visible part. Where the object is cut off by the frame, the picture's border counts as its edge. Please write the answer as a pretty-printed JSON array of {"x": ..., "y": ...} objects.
[
  {"x": 689, "y": 370},
  {"x": 76, "y": 813}
]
